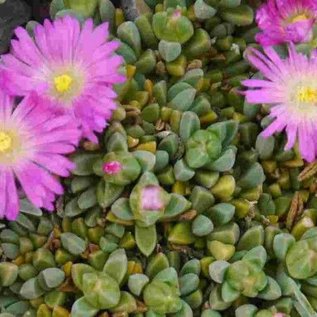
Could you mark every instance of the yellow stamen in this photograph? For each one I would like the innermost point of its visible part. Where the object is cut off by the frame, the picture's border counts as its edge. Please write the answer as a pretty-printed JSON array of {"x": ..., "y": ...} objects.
[
  {"x": 300, "y": 17},
  {"x": 63, "y": 83},
  {"x": 307, "y": 94},
  {"x": 5, "y": 142}
]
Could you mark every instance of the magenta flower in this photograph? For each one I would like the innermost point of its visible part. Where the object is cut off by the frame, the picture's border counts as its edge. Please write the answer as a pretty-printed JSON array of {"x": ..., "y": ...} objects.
[
  {"x": 113, "y": 167},
  {"x": 33, "y": 142},
  {"x": 176, "y": 14},
  {"x": 290, "y": 87},
  {"x": 152, "y": 198},
  {"x": 72, "y": 68},
  {"x": 284, "y": 21}
]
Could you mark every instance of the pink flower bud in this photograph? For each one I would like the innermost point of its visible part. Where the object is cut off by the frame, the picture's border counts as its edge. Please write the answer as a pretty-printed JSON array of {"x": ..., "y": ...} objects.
[
  {"x": 176, "y": 14},
  {"x": 151, "y": 198},
  {"x": 113, "y": 167}
]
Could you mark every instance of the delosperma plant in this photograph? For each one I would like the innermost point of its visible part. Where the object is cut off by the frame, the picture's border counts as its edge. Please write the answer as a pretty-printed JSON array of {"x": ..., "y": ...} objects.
[{"x": 175, "y": 153}]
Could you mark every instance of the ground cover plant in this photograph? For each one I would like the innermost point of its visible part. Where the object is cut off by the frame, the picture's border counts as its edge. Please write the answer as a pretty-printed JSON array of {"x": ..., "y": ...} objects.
[{"x": 161, "y": 165}]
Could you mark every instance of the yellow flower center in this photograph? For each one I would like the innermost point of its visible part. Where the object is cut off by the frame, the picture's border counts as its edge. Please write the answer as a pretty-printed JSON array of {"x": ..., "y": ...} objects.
[
  {"x": 300, "y": 17},
  {"x": 307, "y": 94},
  {"x": 63, "y": 83},
  {"x": 5, "y": 142}
]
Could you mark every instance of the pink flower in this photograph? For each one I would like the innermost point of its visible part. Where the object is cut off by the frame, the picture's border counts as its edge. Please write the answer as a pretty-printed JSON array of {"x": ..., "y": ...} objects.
[
  {"x": 279, "y": 315},
  {"x": 73, "y": 68},
  {"x": 151, "y": 198},
  {"x": 290, "y": 87},
  {"x": 33, "y": 142},
  {"x": 113, "y": 167},
  {"x": 176, "y": 14},
  {"x": 286, "y": 21}
]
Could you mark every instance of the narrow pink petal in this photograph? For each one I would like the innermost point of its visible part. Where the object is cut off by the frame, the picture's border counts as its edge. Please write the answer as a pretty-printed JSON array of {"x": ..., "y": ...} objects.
[
  {"x": 261, "y": 96},
  {"x": 306, "y": 144},
  {"x": 257, "y": 83},
  {"x": 6, "y": 106},
  {"x": 52, "y": 184},
  {"x": 3, "y": 193},
  {"x": 56, "y": 164},
  {"x": 12, "y": 207},
  {"x": 26, "y": 50},
  {"x": 291, "y": 132},
  {"x": 275, "y": 126},
  {"x": 57, "y": 148},
  {"x": 30, "y": 180}
]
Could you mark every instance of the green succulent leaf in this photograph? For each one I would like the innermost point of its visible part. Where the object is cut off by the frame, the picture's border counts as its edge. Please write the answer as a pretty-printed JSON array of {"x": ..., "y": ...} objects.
[
  {"x": 137, "y": 283},
  {"x": 228, "y": 293},
  {"x": 191, "y": 266},
  {"x": 225, "y": 130},
  {"x": 188, "y": 283},
  {"x": 203, "y": 10},
  {"x": 281, "y": 244},
  {"x": 246, "y": 278},
  {"x": 185, "y": 311},
  {"x": 169, "y": 276},
  {"x": 101, "y": 290},
  {"x": 272, "y": 291},
  {"x": 146, "y": 239},
  {"x": 108, "y": 193},
  {"x": 82, "y": 308},
  {"x": 177, "y": 205},
  {"x": 78, "y": 271},
  {"x": 72, "y": 243},
  {"x": 121, "y": 209},
  {"x": 129, "y": 33},
  {"x": 246, "y": 310},
  {"x": 202, "y": 226},
  {"x": 156, "y": 264},
  {"x": 241, "y": 16},
  {"x": 162, "y": 298},
  {"x": 8, "y": 273},
  {"x": 84, "y": 163},
  {"x": 83, "y": 7},
  {"x": 257, "y": 256},
  {"x": 216, "y": 301},
  {"x": 51, "y": 278},
  {"x": 172, "y": 26},
  {"x": 126, "y": 304},
  {"x": 117, "y": 265},
  {"x": 31, "y": 289},
  {"x": 217, "y": 270},
  {"x": 169, "y": 50},
  {"x": 146, "y": 160},
  {"x": 301, "y": 259},
  {"x": 201, "y": 148}
]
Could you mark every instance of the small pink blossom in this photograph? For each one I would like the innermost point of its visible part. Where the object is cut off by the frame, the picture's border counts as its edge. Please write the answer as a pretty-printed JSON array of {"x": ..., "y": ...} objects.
[
  {"x": 279, "y": 315},
  {"x": 283, "y": 21},
  {"x": 73, "y": 67},
  {"x": 34, "y": 143},
  {"x": 151, "y": 198},
  {"x": 113, "y": 167},
  {"x": 176, "y": 14},
  {"x": 290, "y": 88}
]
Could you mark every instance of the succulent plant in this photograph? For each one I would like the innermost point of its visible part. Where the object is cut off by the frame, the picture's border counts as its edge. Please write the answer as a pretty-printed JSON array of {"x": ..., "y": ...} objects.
[
  {"x": 182, "y": 208},
  {"x": 245, "y": 277}
]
